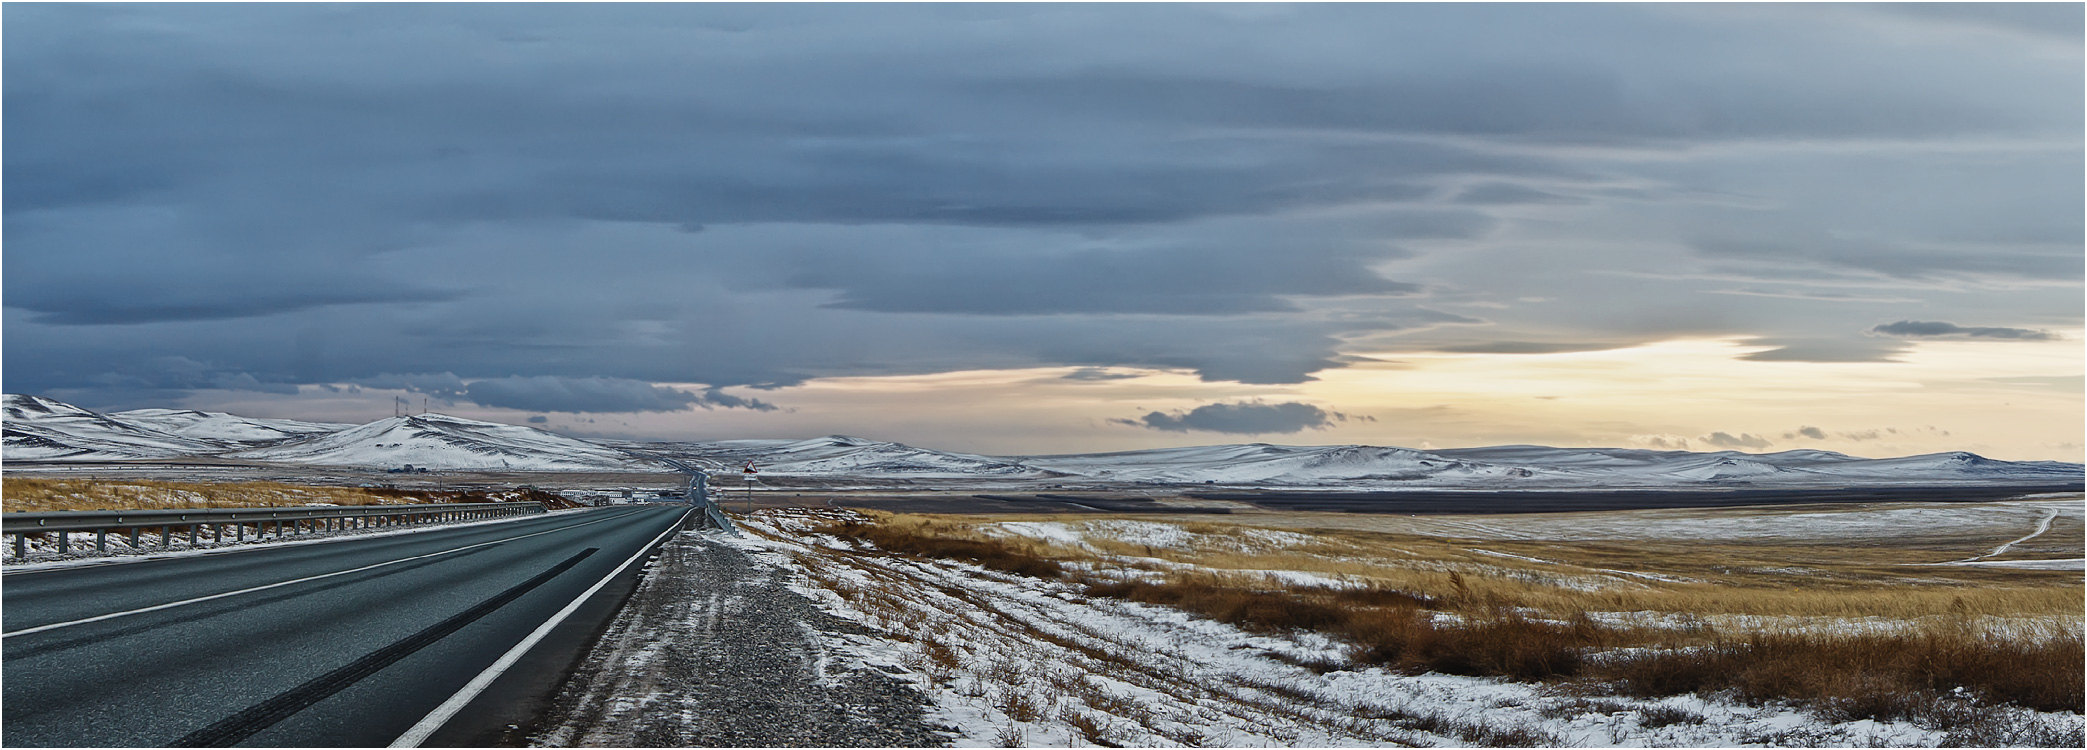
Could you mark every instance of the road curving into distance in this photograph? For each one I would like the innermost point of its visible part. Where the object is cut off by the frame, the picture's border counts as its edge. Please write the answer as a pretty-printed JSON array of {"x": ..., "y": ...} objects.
[{"x": 359, "y": 642}]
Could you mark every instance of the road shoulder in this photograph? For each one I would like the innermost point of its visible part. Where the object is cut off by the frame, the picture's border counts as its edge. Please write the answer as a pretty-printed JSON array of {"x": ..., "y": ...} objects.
[{"x": 714, "y": 649}]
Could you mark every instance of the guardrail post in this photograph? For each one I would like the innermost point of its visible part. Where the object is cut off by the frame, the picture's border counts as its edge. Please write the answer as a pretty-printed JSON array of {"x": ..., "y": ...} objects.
[
  {"x": 166, "y": 537},
  {"x": 192, "y": 534},
  {"x": 101, "y": 540},
  {"x": 64, "y": 542},
  {"x": 21, "y": 546},
  {"x": 134, "y": 536}
]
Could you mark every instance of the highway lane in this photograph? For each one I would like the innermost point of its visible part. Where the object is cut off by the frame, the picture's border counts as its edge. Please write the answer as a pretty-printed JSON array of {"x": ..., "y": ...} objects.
[{"x": 345, "y": 643}]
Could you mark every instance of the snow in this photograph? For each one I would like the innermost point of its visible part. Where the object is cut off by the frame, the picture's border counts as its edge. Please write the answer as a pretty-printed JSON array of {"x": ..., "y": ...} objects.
[
  {"x": 439, "y": 441},
  {"x": 1050, "y": 532},
  {"x": 1803, "y": 524},
  {"x": 225, "y": 428},
  {"x": 1153, "y": 535},
  {"x": 840, "y": 455},
  {"x": 1012, "y": 659},
  {"x": 2078, "y": 564},
  {"x": 41, "y": 429},
  {"x": 1535, "y": 467},
  {"x": 2042, "y": 525}
]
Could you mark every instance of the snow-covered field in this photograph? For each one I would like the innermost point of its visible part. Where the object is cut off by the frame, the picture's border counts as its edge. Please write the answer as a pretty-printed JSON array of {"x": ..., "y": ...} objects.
[
  {"x": 1013, "y": 660},
  {"x": 1866, "y": 521}
]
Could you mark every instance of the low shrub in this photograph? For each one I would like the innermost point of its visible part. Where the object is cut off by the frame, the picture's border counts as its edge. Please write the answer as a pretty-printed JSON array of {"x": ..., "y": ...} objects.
[
  {"x": 993, "y": 554},
  {"x": 1867, "y": 675}
]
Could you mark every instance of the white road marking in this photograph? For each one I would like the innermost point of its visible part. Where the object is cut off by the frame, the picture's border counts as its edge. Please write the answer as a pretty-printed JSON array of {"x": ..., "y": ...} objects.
[
  {"x": 443, "y": 713},
  {"x": 200, "y": 599}
]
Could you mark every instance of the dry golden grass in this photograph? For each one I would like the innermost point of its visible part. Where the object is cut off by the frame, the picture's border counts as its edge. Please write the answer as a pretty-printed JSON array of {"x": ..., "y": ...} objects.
[
  {"x": 1928, "y": 639},
  {"x": 1684, "y": 579},
  {"x": 19, "y": 495}
]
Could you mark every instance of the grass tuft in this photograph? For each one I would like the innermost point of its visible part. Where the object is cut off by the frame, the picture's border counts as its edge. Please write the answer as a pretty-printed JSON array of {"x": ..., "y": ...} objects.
[
  {"x": 923, "y": 541},
  {"x": 1869, "y": 675}
]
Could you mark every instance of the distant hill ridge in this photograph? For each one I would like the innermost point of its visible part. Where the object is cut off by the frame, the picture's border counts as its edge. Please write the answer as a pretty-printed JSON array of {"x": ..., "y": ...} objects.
[{"x": 46, "y": 430}]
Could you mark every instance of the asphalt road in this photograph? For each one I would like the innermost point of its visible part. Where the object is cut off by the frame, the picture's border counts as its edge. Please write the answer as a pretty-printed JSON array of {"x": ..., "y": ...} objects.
[{"x": 344, "y": 643}]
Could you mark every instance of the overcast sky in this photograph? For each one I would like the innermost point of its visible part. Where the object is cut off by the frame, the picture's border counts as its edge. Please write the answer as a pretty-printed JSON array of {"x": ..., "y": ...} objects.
[{"x": 1024, "y": 229}]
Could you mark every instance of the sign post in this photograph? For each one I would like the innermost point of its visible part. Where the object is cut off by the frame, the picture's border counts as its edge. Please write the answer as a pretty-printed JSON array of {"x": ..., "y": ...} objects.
[{"x": 749, "y": 472}]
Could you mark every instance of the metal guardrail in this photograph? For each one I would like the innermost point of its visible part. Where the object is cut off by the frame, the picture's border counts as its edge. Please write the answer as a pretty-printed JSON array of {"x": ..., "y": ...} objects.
[
  {"x": 284, "y": 521},
  {"x": 707, "y": 515}
]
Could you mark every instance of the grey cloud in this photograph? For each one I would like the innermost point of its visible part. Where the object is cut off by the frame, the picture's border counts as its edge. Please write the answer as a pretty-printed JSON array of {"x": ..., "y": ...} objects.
[
  {"x": 314, "y": 194},
  {"x": 539, "y": 419},
  {"x": 716, "y": 398},
  {"x": 1097, "y": 373},
  {"x": 1244, "y": 418},
  {"x": 1664, "y": 442},
  {"x": 1171, "y": 282},
  {"x": 1936, "y": 329},
  {"x": 1527, "y": 347},
  {"x": 1900, "y": 260},
  {"x": 154, "y": 263},
  {"x": 179, "y": 372},
  {"x": 1742, "y": 440},
  {"x": 1823, "y": 349},
  {"x": 1507, "y": 194},
  {"x": 80, "y": 311},
  {"x": 441, "y": 384},
  {"x": 1810, "y": 432},
  {"x": 596, "y": 394},
  {"x": 2059, "y": 21}
]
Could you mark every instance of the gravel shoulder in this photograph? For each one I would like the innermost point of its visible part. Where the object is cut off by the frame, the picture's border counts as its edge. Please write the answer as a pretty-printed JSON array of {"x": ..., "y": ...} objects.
[{"x": 714, "y": 650}]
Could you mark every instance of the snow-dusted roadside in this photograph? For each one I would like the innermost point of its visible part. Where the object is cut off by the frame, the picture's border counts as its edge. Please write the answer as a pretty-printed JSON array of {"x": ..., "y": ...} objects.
[
  {"x": 1013, "y": 660},
  {"x": 713, "y": 650}
]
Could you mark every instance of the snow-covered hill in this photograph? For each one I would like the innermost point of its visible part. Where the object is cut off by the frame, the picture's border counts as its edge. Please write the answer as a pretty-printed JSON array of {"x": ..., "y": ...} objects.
[
  {"x": 1538, "y": 467},
  {"x": 227, "y": 429},
  {"x": 43, "y": 429},
  {"x": 38, "y": 428},
  {"x": 439, "y": 441},
  {"x": 843, "y": 456},
  {"x": 1276, "y": 465}
]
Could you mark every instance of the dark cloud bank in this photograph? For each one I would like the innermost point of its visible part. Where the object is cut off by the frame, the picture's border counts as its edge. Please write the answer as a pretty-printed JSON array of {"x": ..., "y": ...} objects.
[
  {"x": 1244, "y": 418},
  {"x": 560, "y": 206},
  {"x": 1927, "y": 329}
]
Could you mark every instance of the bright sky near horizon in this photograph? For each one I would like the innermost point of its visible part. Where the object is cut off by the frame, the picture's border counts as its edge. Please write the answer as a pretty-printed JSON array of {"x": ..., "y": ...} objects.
[{"x": 1064, "y": 228}]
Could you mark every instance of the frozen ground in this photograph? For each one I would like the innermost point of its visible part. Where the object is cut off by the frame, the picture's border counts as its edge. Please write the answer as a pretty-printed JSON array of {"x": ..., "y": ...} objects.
[
  {"x": 713, "y": 650},
  {"x": 1011, "y": 660},
  {"x": 1796, "y": 524}
]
